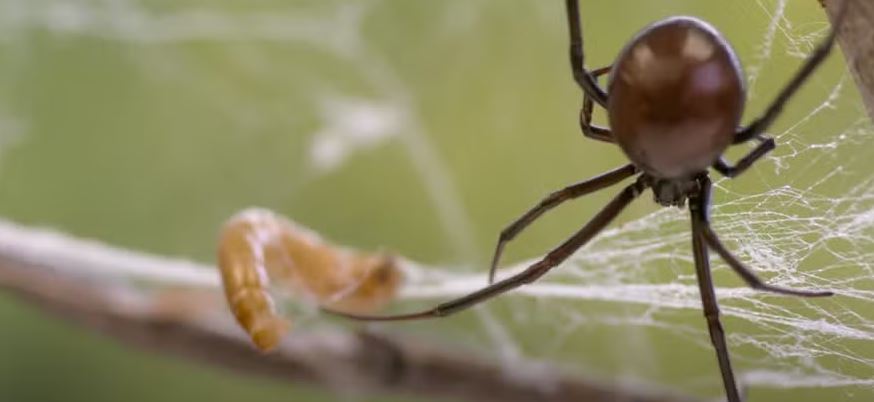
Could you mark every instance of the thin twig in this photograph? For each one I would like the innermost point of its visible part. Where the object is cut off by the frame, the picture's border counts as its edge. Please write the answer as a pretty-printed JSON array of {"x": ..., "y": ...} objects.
[
  {"x": 90, "y": 283},
  {"x": 856, "y": 38}
]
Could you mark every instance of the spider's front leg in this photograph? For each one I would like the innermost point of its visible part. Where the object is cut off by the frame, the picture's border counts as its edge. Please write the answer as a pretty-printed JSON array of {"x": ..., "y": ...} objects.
[
  {"x": 583, "y": 78},
  {"x": 553, "y": 200},
  {"x": 757, "y": 128},
  {"x": 819, "y": 54}
]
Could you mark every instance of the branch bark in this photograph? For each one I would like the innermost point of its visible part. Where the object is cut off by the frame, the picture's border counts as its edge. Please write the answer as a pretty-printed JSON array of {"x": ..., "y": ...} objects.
[
  {"x": 94, "y": 285},
  {"x": 856, "y": 38}
]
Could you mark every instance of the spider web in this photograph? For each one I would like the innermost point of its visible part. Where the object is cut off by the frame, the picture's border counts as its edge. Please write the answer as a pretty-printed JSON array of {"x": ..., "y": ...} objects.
[{"x": 626, "y": 305}]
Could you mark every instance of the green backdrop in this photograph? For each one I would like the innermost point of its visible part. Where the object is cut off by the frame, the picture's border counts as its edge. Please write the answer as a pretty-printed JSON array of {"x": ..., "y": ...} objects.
[{"x": 418, "y": 126}]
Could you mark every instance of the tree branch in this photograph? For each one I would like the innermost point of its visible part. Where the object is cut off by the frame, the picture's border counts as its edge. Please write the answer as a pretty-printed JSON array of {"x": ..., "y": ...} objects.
[
  {"x": 100, "y": 287},
  {"x": 856, "y": 38}
]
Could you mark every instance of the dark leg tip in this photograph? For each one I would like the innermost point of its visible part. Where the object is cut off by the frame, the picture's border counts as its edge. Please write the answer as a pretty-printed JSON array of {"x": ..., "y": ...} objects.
[{"x": 823, "y": 293}]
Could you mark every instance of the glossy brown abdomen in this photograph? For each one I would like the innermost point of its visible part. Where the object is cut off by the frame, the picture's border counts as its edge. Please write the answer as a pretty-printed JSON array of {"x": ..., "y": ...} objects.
[{"x": 675, "y": 97}]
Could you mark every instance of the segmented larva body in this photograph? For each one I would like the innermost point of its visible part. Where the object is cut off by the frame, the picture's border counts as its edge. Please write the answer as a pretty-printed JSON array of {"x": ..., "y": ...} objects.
[{"x": 258, "y": 247}]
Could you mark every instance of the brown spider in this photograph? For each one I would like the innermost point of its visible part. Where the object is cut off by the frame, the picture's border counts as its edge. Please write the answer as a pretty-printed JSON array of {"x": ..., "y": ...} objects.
[{"x": 674, "y": 103}]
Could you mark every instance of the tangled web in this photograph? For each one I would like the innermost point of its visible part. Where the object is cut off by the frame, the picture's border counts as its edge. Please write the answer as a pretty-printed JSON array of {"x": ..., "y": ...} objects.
[
  {"x": 807, "y": 223},
  {"x": 810, "y": 229}
]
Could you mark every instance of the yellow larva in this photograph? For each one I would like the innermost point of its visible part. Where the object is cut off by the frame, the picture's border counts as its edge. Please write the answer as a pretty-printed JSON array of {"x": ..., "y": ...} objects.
[{"x": 259, "y": 249}]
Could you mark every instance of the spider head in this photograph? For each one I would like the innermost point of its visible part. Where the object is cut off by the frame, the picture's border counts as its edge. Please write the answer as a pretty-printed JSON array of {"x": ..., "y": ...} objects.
[{"x": 672, "y": 192}]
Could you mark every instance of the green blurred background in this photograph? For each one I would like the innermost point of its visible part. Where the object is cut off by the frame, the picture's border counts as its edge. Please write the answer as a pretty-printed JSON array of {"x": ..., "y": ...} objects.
[{"x": 417, "y": 126}]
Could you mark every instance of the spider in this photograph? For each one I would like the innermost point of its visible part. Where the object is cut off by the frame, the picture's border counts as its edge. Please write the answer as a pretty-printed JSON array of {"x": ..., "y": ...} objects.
[{"x": 674, "y": 102}]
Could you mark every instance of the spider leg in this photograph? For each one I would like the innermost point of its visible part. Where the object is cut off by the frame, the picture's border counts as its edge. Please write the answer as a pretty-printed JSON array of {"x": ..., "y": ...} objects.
[
  {"x": 554, "y": 199},
  {"x": 583, "y": 78},
  {"x": 758, "y": 126},
  {"x": 598, "y": 72},
  {"x": 750, "y": 277},
  {"x": 708, "y": 297},
  {"x": 532, "y": 273},
  {"x": 590, "y": 130},
  {"x": 766, "y": 145}
]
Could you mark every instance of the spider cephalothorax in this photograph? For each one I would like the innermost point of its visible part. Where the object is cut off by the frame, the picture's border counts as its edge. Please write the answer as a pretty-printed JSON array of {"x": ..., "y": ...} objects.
[{"x": 673, "y": 192}]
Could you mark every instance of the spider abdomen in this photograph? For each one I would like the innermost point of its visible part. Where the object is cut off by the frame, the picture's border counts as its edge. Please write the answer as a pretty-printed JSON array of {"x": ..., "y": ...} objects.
[{"x": 676, "y": 95}]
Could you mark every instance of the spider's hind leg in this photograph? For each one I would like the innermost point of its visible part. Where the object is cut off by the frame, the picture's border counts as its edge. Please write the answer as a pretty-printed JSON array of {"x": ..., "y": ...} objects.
[
  {"x": 766, "y": 145},
  {"x": 552, "y": 259},
  {"x": 757, "y": 128},
  {"x": 590, "y": 130}
]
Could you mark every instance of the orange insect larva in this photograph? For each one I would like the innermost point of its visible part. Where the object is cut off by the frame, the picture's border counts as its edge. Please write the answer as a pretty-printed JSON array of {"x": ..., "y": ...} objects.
[{"x": 257, "y": 247}]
